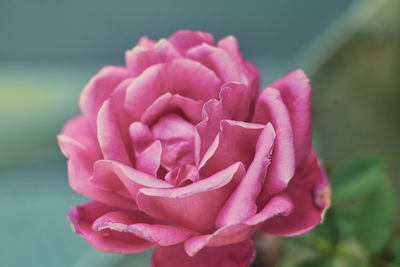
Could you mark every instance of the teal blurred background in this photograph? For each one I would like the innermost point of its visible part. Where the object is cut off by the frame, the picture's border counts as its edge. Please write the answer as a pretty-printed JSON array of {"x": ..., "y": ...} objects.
[{"x": 50, "y": 49}]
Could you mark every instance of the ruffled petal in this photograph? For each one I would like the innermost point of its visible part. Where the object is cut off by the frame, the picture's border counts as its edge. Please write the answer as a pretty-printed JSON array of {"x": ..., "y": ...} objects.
[
  {"x": 310, "y": 192},
  {"x": 82, "y": 219},
  {"x": 235, "y": 255},
  {"x": 98, "y": 90},
  {"x": 169, "y": 103},
  {"x": 123, "y": 180},
  {"x": 109, "y": 135},
  {"x": 183, "y": 40},
  {"x": 236, "y": 142},
  {"x": 279, "y": 205},
  {"x": 270, "y": 108},
  {"x": 81, "y": 148},
  {"x": 241, "y": 205},
  {"x": 295, "y": 90},
  {"x": 140, "y": 57},
  {"x": 183, "y": 76},
  {"x": 194, "y": 206},
  {"x": 218, "y": 60}
]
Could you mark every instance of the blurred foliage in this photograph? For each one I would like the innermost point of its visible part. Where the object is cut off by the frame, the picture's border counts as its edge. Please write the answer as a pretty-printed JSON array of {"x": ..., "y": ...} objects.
[{"x": 359, "y": 228}]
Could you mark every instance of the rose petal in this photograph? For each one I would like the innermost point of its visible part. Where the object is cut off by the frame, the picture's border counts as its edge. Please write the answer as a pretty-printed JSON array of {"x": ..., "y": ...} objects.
[
  {"x": 236, "y": 255},
  {"x": 236, "y": 99},
  {"x": 183, "y": 76},
  {"x": 99, "y": 89},
  {"x": 148, "y": 160},
  {"x": 146, "y": 42},
  {"x": 241, "y": 204},
  {"x": 109, "y": 135},
  {"x": 122, "y": 179},
  {"x": 82, "y": 219},
  {"x": 194, "y": 206},
  {"x": 270, "y": 108},
  {"x": 218, "y": 60},
  {"x": 183, "y": 40},
  {"x": 310, "y": 192},
  {"x": 142, "y": 226},
  {"x": 295, "y": 90},
  {"x": 236, "y": 142},
  {"x": 169, "y": 103},
  {"x": 140, "y": 58},
  {"x": 81, "y": 148},
  {"x": 231, "y": 46},
  {"x": 279, "y": 205}
]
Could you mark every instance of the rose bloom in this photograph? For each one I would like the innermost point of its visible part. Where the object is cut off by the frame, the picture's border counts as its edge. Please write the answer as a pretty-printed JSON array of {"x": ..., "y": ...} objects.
[{"x": 180, "y": 152}]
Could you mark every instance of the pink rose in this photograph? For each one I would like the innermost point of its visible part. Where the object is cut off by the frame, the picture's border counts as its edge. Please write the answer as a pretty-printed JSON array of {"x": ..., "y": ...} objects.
[{"x": 181, "y": 152}]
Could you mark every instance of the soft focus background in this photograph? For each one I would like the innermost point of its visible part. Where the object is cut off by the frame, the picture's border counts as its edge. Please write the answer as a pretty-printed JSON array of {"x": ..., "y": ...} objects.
[{"x": 350, "y": 49}]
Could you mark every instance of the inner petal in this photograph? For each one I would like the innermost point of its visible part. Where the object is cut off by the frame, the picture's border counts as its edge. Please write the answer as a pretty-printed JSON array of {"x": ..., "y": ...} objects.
[
  {"x": 182, "y": 175},
  {"x": 177, "y": 140}
]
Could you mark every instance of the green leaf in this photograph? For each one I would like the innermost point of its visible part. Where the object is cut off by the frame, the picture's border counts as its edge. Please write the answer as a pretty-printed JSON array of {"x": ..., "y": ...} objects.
[
  {"x": 318, "y": 261},
  {"x": 356, "y": 177},
  {"x": 394, "y": 250},
  {"x": 325, "y": 236},
  {"x": 375, "y": 216}
]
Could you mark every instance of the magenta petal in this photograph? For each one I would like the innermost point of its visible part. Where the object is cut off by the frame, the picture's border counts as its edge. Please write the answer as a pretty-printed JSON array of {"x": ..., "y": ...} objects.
[
  {"x": 279, "y": 205},
  {"x": 183, "y": 76},
  {"x": 119, "y": 178},
  {"x": 169, "y": 103},
  {"x": 81, "y": 148},
  {"x": 183, "y": 40},
  {"x": 148, "y": 160},
  {"x": 236, "y": 99},
  {"x": 235, "y": 255},
  {"x": 200, "y": 202},
  {"x": 82, "y": 219},
  {"x": 99, "y": 89},
  {"x": 109, "y": 135},
  {"x": 218, "y": 60},
  {"x": 270, "y": 108},
  {"x": 146, "y": 42},
  {"x": 142, "y": 226},
  {"x": 140, "y": 58},
  {"x": 207, "y": 130},
  {"x": 310, "y": 192},
  {"x": 295, "y": 90},
  {"x": 241, "y": 204},
  {"x": 236, "y": 142}
]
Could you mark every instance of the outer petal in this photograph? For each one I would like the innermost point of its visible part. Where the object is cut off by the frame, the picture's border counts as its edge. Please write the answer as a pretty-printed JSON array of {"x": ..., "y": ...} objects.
[
  {"x": 295, "y": 90},
  {"x": 146, "y": 42},
  {"x": 279, "y": 205},
  {"x": 81, "y": 148},
  {"x": 140, "y": 58},
  {"x": 124, "y": 180},
  {"x": 142, "y": 226},
  {"x": 194, "y": 206},
  {"x": 99, "y": 89},
  {"x": 310, "y": 192},
  {"x": 270, "y": 108},
  {"x": 231, "y": 46},
  {"x": 82, "y": 219},
  {"x": 109, "y": 135},
  {"x": 241, "y": 205},
  {"x": 236, "y": 255},
  {"x": 218, "y": 60},
  {"x": 184, "y": 77},
  {"x": 183, "y": 40}
]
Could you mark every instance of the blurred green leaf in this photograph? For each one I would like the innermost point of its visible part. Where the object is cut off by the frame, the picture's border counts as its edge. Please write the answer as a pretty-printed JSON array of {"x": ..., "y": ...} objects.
[
  {"x": 374, "y": 216},
  {"x": 395, "y": 250},
  {"x": 319, "y": 261},
  {"x": 355, "y": 177},
  {"x": 325, "y": 236}
]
